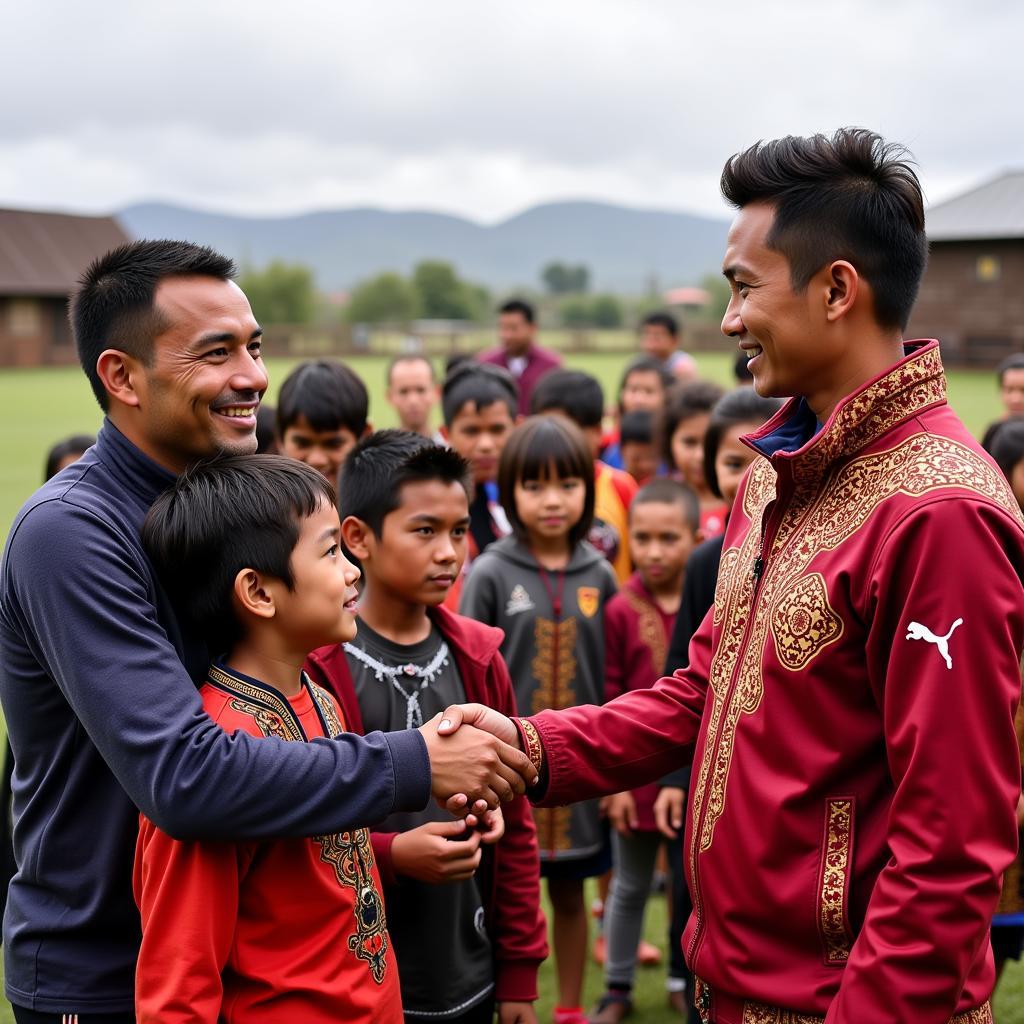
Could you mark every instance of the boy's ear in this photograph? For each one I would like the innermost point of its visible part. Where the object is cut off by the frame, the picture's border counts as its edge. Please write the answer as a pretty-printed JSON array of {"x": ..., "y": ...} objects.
[
  {"x": 252, "y": 593},
  {"x": 367, "y": 431},
  {"x": 443, "y": 431},
  {"x": 357, "y": 537}
]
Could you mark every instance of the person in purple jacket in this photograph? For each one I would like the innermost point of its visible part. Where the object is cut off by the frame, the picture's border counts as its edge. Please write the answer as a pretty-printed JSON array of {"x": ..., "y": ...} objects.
[
  {"x": 519, "y": 352},
  {"x": 97, "y": 673}
]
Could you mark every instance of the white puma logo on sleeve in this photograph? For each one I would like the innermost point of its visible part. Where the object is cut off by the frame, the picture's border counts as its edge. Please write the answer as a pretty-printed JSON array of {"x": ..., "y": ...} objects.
[{"x": 915, "y": 631}]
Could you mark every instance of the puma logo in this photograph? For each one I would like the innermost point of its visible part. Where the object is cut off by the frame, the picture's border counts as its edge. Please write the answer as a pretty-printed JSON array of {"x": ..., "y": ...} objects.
[{"x": 915, "y": 631}]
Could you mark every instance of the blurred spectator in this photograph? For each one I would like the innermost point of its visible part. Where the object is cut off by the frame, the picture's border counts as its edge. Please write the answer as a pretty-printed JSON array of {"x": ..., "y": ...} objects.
[
  {"x": 1010, "y": 374},
  {"x": 639, "y": 452},
  {"x": 578, "y": 396},
  {"x": 266, "y": 430},
  {"x": 322, "y": 411},
  {"x": 1007, "y": 448},
  {"x": 413, "y": 392},
  {"x": 682, "y": 436},
  {"x": 519, "y": 353},
  {"x": 65, "y": 453},
  {"x": 659, "y": 337},
  {"x": 644, "y": 385}
]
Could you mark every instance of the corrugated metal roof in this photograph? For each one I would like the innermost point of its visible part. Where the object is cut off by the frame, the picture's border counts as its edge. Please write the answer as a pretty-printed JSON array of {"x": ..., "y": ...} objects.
[
  {"x": 45, "y": 253},
  {"x": 992, "y": 210}
]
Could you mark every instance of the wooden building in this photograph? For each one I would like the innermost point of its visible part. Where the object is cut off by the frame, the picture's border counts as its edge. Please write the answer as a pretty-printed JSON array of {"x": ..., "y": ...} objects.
[
  {"x": 972, "y": 298},
  {"x": 42, "y": 255}
]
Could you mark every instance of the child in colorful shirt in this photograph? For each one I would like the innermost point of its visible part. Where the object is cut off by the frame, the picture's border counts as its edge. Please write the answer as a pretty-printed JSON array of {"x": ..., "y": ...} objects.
[
  {"x": 546, "y": 587},
  {"x": 288, "y": 929}
]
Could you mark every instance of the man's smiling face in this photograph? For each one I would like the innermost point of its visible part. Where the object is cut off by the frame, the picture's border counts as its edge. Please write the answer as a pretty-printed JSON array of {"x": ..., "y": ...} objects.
[{"x": 199, "y": 394}]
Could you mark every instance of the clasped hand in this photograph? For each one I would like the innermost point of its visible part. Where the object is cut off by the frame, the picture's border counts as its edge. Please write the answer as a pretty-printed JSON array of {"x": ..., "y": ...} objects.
[{"x": 475, "y": 759}]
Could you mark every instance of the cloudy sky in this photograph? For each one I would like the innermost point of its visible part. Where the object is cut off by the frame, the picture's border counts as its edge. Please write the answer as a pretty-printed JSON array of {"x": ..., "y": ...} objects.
[{"x": 480, "y": 108}]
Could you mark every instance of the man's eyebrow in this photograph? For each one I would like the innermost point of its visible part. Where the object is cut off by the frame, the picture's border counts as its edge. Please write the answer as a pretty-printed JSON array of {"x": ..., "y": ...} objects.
[
  {"x": 737, "y": 270},
  {"x": 209, "y": 339}
]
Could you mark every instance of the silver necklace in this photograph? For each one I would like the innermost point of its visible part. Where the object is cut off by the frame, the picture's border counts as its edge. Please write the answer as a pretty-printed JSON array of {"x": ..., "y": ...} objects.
[{"x": 422, "y": 674}]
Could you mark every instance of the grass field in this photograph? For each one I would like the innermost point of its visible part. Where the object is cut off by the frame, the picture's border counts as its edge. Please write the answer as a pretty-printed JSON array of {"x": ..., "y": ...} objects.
[{"x": 38, "y": 407}]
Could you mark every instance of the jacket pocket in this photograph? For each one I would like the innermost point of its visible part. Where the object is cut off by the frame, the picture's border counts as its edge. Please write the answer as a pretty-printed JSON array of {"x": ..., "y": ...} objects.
[{"x": 834, "y": 881}]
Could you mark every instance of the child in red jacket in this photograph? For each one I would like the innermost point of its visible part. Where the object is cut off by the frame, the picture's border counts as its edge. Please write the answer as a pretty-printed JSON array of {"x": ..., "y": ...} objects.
[{"x": 476, "y": 941}]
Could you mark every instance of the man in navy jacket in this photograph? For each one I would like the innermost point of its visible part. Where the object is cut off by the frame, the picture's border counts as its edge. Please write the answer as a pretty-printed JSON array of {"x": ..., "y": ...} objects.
[{"x": 97, "y": 675}]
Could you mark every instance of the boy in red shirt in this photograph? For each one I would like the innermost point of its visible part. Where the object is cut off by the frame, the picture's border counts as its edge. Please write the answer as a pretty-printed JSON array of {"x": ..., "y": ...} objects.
[
  {"x": 288, "y": 929},
  {"x": 474, "y": 942}
]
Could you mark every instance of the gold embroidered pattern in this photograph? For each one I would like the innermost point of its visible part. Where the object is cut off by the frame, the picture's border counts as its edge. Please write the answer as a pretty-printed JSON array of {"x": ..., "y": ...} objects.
[
  {"x": 804, "y": 623},
  {"x": 758, "y": 1013},
  {"x": 835, "y": 869},
  {"x": 554, "y": 668},
  {"x": 534, "y": 747},
  {"x": 554, "y": 664},
  {"x": 328, "y": 711},
  {"x": 908, "y": 389},
  {"x": 349, "y": 853},
  {"x": 726, "y": 571},
  {"x": 822, "y": 521},
  {"x": 650, "y": 628},
  {"x": 351, "y": 856}
]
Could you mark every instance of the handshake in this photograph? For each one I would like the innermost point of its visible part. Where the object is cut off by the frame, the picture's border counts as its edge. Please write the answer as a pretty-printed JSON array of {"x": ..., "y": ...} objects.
[{"x": 475, "y": 757}]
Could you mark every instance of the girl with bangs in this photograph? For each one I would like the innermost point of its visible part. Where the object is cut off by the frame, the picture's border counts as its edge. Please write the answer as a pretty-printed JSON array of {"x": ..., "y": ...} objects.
[{"x": 546, "y": 587}]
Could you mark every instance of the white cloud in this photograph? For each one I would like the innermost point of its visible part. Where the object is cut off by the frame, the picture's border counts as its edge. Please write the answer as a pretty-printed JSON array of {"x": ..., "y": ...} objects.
[{"x": 482, "y": 109}]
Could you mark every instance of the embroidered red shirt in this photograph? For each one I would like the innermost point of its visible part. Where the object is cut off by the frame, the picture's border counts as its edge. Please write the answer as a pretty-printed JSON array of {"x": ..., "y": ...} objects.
[{"x": 285, "y": 929}]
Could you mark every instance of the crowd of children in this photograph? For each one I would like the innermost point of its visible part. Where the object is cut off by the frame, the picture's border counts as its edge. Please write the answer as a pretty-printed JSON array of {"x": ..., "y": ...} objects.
[{"x": 515, "y": 554}]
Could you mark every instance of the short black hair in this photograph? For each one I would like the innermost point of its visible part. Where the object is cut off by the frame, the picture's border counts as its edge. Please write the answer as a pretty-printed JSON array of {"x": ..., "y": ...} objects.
[
  {"x": 670, "y": 492},
  {"x": 1007, "y": 445},
  {"x": 637, "y": 427},
  {"x": 77, "y": 444},
  {"x": 685, "y": 400},
  {"x": 666, "y": 320},
  {"x": 741, "y": 405},
  {"x": 480, "y": 385},
  {"x": 576, "y": 394},
  {"x": 409, "y": 357},
  {"x": 375, "y": 471},
  {"x": 220, "y": 517},
  {"x": 327, "y": 393},
  {"x": 850, "y": 196},
  {"x": 114, "y": 305},
  {"x": 645, "y": 364},
  {"x": 533, "y": 449},
  {"x": 518, "y": 306},
  {"x": 1013, "y": 362}
]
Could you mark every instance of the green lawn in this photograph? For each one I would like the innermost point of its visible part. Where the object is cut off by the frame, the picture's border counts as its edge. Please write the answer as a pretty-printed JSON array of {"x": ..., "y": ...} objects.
[{"x": 38, "y": 407}]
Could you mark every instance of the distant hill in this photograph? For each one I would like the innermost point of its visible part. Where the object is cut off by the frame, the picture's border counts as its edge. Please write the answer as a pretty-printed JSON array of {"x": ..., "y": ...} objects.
[{"x": 623, "y": 247}]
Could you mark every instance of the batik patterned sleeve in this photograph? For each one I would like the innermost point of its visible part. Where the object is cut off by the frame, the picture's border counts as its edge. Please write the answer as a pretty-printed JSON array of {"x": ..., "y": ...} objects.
[{"x": 946, "y": 613}]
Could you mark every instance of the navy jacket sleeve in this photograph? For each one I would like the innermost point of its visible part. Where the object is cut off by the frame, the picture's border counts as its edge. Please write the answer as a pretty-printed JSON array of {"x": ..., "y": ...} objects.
[{"x": 81, "y": 596}]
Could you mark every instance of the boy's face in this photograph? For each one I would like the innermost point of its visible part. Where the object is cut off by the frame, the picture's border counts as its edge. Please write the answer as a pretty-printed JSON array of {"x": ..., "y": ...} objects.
[
  {"x": 642, "y": 390},
  {"x": 1011, "y": 388},
  {"x": 688, "y": 449},
  {"x": 639, "y": 460},
  {"x": 660, "y": 541},
  {"x": 320, "y": 608},
  {"x": 323, "y": 450},
  {"x": 656, "y": 340},
  {"x": 479, "y": 434},
  {"x": 422, "y": 545},
  {"x": 412, "y": 391},
  {"x": 732, "y": 459}
]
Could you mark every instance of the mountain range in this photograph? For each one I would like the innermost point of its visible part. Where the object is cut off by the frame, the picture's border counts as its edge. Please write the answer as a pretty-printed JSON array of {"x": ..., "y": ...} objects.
[{"x": 627, "y": 250}]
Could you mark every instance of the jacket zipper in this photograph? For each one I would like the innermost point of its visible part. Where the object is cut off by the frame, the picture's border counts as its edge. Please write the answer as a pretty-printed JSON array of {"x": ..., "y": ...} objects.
[{"x": 757, "y": 572}]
